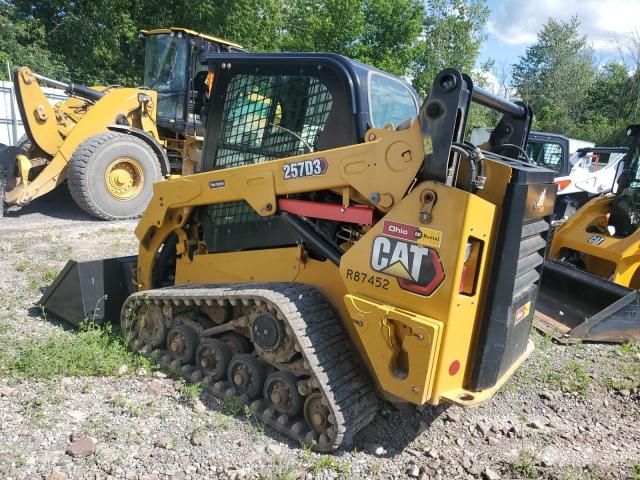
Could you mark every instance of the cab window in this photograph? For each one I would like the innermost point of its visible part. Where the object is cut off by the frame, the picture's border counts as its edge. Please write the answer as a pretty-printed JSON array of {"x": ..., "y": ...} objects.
[
  {"x": 546, "y": 154},
  {"x": 271, "y": 116},
  {"x": 390, "y": 101}
]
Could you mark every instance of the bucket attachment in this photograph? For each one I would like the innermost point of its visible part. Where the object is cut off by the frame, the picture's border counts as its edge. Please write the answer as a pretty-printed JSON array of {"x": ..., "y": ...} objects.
[
  {"x": 93, "y": 291},
  {"x": 575, "y": 306}
]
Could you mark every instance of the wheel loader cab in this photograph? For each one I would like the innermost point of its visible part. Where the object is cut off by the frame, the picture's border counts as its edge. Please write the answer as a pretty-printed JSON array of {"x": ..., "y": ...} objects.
[
  {"x": 109, "y": 144},
  {"x": 173, "y": 68}
]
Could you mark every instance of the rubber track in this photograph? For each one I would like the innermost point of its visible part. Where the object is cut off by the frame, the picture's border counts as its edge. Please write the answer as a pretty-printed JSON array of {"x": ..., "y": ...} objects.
[
  {"x": 345, "y": 385},
  {"x": 77, "y": 172}
]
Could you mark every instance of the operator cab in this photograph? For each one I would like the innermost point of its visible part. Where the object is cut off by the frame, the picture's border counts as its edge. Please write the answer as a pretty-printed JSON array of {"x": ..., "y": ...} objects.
[
  {"x": 174, "y": 70},
  {"x": 277, "y": 105},
  {"x": 625, "y": 211}
]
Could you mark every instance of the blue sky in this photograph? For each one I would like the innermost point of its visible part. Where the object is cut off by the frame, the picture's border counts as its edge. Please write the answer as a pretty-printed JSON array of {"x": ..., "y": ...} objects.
[
  {"x": 496, "y": 49},
  {"x": 513, "y": 25}
]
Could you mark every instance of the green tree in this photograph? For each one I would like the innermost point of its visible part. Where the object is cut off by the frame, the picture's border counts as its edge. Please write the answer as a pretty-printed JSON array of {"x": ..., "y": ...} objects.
[
  {"x": 555, "y": 76},
  {"x": 23, "y": 43},
  {"x": 324, "y": 25},
  {"x": 94, "y": 37},
  {"x": 390, "y": 34},
  {"x": 452, "y": 37},
  {"x": 257, "y": 24},
  {"x": 382, "y": 33}
]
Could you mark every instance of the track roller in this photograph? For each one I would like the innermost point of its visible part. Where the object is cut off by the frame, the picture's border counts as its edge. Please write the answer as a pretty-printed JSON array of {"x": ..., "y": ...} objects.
[
  {"x": 281, "y": 391},
  {"x": 152, "y": 329},
  {"x": 316, "y": 413},
  {"x": 247, "y": 373},
  {"x": 182, "y": 342},
  {"x": 213, "y": 357}
]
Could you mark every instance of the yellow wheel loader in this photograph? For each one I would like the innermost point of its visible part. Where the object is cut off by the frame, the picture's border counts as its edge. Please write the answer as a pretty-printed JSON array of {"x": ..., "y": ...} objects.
[
  {"x": 111, "y": 143},
  {"x": 341, "y": 245},
  {"x": 592, "y": 272}
]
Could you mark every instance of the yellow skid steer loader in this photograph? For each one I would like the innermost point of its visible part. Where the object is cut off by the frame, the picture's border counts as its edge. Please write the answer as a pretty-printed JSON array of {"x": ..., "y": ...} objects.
[
  {"x": 592, "y": 274},
  {"x": 340, "y": 244}
]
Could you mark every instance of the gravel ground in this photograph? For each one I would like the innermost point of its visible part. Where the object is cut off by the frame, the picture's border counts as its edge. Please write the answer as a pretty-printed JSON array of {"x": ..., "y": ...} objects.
[{"x": 569, "y": 413}]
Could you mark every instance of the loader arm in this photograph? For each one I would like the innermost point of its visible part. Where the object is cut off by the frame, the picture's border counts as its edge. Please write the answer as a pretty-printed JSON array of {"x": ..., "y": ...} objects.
[
  {"x": 359, "y": 167},
  {"x": 38, "y": 116}
]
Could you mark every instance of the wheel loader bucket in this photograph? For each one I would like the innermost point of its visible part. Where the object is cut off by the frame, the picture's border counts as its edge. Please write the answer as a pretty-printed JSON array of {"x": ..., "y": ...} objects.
[
  {"x": 575, "y": 306},
  {"x": 90, "y": 291}
]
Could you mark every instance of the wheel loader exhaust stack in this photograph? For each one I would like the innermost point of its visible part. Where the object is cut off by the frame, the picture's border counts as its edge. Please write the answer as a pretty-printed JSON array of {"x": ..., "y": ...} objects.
[{"x": 341, "y": 243}]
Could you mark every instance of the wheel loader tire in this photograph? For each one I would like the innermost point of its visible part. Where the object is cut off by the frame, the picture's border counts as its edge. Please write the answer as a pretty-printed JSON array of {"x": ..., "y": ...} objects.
[{"x": 111, "y": 175}]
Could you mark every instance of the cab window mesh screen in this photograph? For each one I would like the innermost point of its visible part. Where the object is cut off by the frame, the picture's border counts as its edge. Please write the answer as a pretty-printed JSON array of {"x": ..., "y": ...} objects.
[
  {"x": 548, "y": 155},
  {"x": 267, "y": 117}
]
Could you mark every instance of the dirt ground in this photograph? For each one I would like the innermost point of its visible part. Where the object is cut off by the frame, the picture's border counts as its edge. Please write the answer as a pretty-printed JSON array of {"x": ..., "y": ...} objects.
[{"x": 568, "y": 413}]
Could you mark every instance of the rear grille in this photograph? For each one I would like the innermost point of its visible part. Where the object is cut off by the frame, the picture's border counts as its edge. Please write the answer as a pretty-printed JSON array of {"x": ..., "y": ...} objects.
[
  {"x": 530, "y": 258},
  {"x": 503, "y": 333}
]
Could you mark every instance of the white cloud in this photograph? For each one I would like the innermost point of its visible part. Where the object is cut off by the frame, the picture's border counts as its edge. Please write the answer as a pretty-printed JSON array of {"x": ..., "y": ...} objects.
[{"x": 517, "y": 22}]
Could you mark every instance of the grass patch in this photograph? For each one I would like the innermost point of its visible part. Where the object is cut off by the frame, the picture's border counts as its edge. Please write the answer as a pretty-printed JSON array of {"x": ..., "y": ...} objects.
[
  {"x": 222, "y": 421},
  {"x": 569, "y": 376},
  {"x": 232, "y": 406},
  {"x": 327, "y": 462},
  {"x": 190, "y": 392},
  {"x": 306, "y": 450},
  {"x": 627, "y": 371},
  {"x": 100, "y": 427},
  {"x": 289, "y": 474},
  {"x": 41, "y": 278},
  {"x": 524, "y": 466},
  {"x": 635, "y": 471},
  {"x": 92, "y": 351},
  {"x": 23, "y": 265},
  {"x": 33, "y": 411}
]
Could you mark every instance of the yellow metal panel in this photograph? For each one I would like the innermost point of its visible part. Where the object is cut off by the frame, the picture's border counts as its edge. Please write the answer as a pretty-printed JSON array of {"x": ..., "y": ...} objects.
[
  {"x": 466, "y": 398},
  {"x": 404, "y": 361},
  {"x": 458, "y": 216},
  {"x": 365, "y": 167}
]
